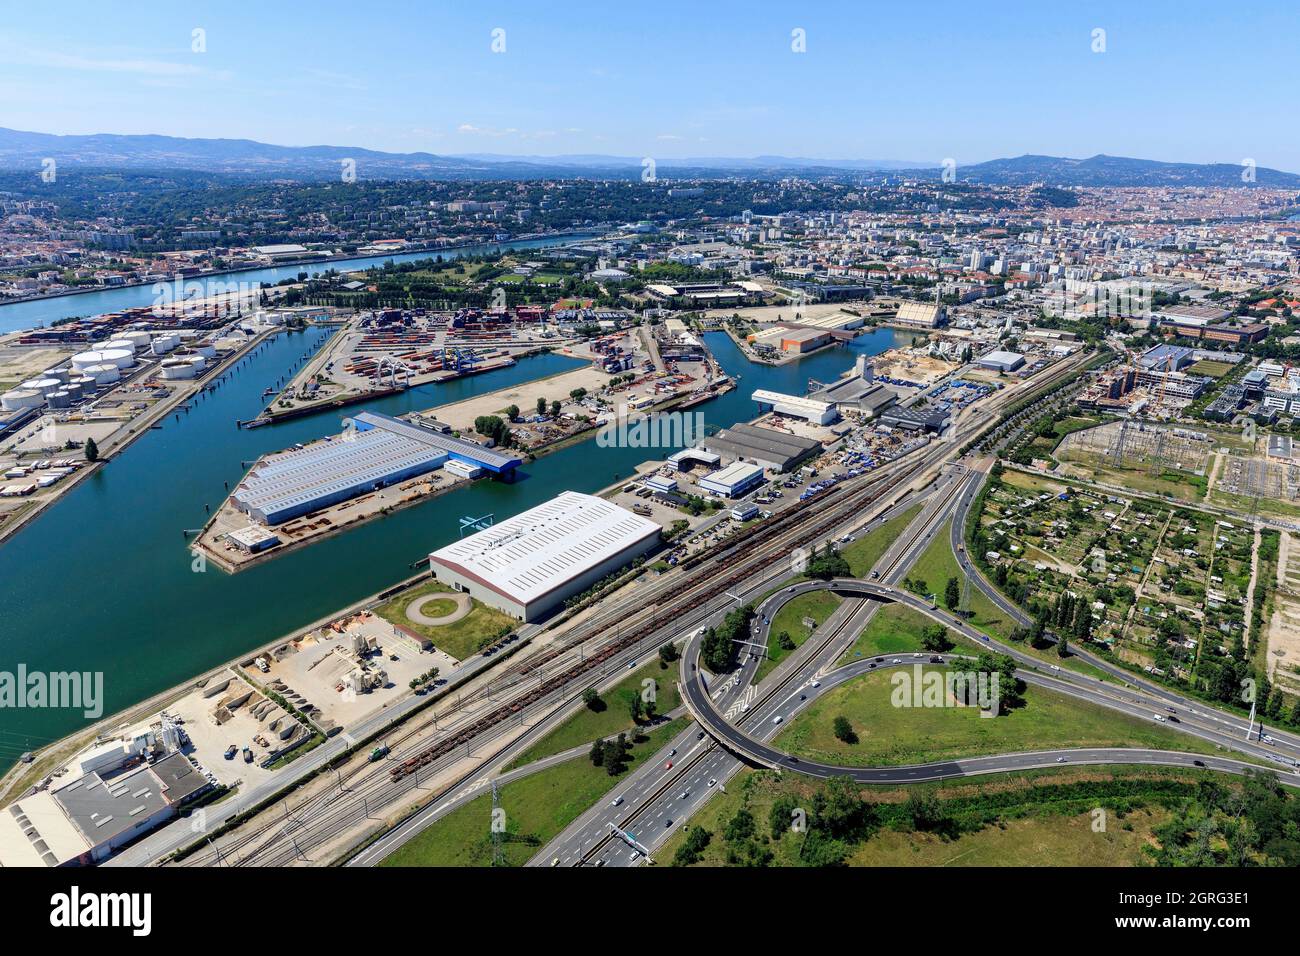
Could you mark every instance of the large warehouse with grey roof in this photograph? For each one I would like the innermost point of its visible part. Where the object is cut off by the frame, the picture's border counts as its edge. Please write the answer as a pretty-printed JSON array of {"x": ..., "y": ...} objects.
[{"x": 531, "y": 563}]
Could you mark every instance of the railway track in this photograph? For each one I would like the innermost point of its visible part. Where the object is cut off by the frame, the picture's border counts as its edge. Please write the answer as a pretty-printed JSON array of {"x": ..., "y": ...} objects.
[{"x": 331, "y": 816}]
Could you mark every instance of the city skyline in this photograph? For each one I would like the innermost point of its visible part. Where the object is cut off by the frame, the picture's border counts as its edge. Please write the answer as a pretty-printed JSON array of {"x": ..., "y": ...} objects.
[{"x": 971, "y": 85}]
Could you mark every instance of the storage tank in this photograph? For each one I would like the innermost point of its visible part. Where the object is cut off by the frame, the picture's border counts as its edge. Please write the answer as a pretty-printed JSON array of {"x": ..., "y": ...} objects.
[
  {"x": 165, "y": 343},
  {"x": 43, "y": 385},
  {"x": 125, "y": 344},
  {"x": 180, "y": 368},
  {"x": 59, "y": 399},
  {"x": 19, "y": 398},
  {"x": 62, "y": 374},
  {"x": 140, "y": 340},
  {"x": 76, "y": 390},
  {"x": 206, "y": 349},
  {"x": 103, "y": 374},
  {"x": 122, "y": 358}
]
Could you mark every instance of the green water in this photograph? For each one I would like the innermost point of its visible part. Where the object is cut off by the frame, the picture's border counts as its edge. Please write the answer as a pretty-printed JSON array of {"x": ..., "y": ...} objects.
[{"x": 103, "y": 581}]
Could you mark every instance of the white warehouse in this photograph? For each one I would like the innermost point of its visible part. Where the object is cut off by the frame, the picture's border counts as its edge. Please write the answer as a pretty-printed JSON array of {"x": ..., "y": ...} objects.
[{"x": 529, "y": 564}]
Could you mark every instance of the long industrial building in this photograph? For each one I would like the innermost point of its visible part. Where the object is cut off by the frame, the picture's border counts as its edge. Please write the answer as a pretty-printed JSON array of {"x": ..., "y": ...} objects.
[
  {"x": 530, "y": 564},
  {"x": 768, "y": 447},
  {"x": 796, "y": 406},
  {"x": 375, "y": 452}
]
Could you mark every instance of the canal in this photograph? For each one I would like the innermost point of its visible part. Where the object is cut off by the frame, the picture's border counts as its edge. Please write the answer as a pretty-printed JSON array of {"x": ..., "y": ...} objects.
[{"x": 103, "y": 581}]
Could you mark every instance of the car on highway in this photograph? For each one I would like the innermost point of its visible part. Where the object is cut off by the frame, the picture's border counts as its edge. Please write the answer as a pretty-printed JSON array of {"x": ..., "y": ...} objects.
[
  {"x": 668, "y": 765},
  {"x": 668, "y": 823},
  {"x": 815, "y": 683},
  {"x": 1198, "y": 763},
  {"x": 1159, "y": 717},
  {"x": 712, "y": 781},
  {"x": 1060, "y": 760},
  {"x": 616, "y": 801},
  {"x": 777, "y": 719},
  {"x": 683, "y": 795},
  {"x": 673, "y": 752},
  {"x": 700, "y": 735}
]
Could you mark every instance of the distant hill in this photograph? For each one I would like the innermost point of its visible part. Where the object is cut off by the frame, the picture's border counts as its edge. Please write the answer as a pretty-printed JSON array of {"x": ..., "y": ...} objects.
[
  {"x": 25, "y": 150},
  {"x": 1102, "y": 170}
]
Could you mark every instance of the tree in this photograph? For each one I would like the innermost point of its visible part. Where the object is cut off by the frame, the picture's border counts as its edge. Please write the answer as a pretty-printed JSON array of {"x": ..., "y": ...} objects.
[
  {"x": 593, "y": 700},
  {"x": 597, "y": 753},
  {"x": 541, "y": 406},
  {"x": 512, "y": 412},
  {"x": 935, "y": 639},
  {"x": 741, "y": 827},
  {"x": 840, "y": 811},
  {"x": 616, "y": 755},
  {"x": 785, "y": 641},
  {"x": 697, "y": 838},
  {"x": 92, "y": 450},
  {"x": 555, "y": 409},
  {"x": 668, "y": 653},
  {"x": 952, "y": 594},
  {"x": 844, "y": 730},
  {"x": 636, "y": 709}
]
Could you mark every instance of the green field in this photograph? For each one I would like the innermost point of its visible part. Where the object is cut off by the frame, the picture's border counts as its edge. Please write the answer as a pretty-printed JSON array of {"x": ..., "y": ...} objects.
[
  {"x": 894, "y": 629},
  {"x": 890, "y": 736},
  {"x": 937, "y": 564},
  {"x": 461, "y": 639},
  {"x": 1211, "y": 368},
  {"x": 1033, "y": 828},
  {"x": 863, "y": 553},
  {"x": 817, "y": 605},
  {"x": 586, "y": 725},
  {"x": 537, "y": 808}
]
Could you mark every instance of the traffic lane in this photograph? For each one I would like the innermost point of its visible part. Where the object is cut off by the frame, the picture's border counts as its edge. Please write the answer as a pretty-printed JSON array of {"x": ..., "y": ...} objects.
[
  {"x": 1104, "y": 695},
  {"x": 759, "y": 752}
]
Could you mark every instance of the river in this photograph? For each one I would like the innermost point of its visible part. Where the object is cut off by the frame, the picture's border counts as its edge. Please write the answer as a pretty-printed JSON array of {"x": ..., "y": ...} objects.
[
  {"x": 103, "y": 581},
  {"x": 38, "y": 312}
]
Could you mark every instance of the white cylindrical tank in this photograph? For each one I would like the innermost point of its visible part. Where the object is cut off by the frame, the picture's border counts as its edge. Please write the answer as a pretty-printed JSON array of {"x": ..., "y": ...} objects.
[
  {"x": 182, "y": 368},
  {"x": 60, "y": 399},
  {"x": 165, "y": 343},
  {"x": 140, "y": 340},
  {"x": 124, "y": 343},
  {"x": 122, "y": 358},
  {"x": 103, "y": 374},
  {"x": 43, "y": 385},
  {"x": 206, "y": 349},
  {"x": 19, "y": 398}
]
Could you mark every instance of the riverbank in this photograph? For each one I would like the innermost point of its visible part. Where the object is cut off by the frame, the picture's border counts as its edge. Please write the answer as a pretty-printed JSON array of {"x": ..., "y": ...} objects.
[
  {"x": 134, "y": 429},
  {"x": 43, "y": 311},
  {"x": 203, "y": 275}
]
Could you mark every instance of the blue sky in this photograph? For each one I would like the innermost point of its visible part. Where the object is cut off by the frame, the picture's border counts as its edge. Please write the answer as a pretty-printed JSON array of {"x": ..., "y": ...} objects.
[{"x": 1189, "y": 81}]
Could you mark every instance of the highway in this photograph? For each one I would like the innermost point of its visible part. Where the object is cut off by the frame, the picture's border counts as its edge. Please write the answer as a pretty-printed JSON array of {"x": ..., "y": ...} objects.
[
  {"x": 652, "y": 798},
  {"x": 633, "y": 623},
  {"x": 784, "y": 703}
]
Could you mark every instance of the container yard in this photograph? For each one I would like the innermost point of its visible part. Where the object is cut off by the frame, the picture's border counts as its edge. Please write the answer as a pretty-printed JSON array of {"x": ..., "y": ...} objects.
[{"x": 379, "y": 352}]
